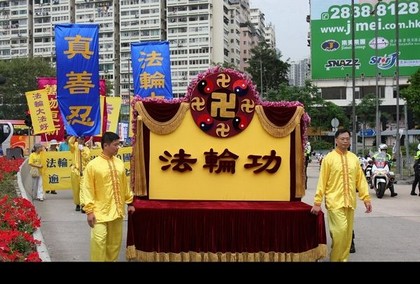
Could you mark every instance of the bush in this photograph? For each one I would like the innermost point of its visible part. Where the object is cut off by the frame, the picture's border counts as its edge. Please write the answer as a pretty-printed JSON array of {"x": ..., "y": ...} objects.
[
  {"x": 321, "y": 145},
  {"x": 18, "y": 218}
]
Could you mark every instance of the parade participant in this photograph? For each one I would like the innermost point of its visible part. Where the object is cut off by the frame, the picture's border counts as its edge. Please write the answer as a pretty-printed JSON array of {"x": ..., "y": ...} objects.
[
  {"x": 36, "y": 166},
  {"x": 105, "y": 192},
  {"x": 53, "y": 145},
  {"x": 339, "y": 177},
  {"x": 81, "y": 156},
  {"x": 65, "y": 146}
]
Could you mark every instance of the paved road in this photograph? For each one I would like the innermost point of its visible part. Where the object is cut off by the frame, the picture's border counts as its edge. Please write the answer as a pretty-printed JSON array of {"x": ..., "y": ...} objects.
[{"x": 389, "y": 233}]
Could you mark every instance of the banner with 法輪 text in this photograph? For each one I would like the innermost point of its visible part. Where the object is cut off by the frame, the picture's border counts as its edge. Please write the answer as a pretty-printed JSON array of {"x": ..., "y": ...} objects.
[
  {"x": 41, "y": 115},
  {"x": 56, "y": 174},
  {"x": 77, "y": 51},
  {"x": 151, "y": 69}
]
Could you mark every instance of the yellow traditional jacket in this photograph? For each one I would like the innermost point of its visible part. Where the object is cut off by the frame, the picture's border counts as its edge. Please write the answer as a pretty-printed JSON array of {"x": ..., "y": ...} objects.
[
  {"x": 339, "y": 177},
  {"x": 84, "y": 155},
  {"x": 105, "y": 188},
  {"x": 35, "y": 159}
]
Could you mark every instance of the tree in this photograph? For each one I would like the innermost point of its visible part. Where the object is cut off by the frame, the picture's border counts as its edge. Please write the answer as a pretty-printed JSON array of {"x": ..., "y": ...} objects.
[
  {"x": 21, "y": 76},
  {"x": 412, "y": 95},
  {"x": 320, "y": 110},
  {"x": 265, "y": 61},
  {"x": 366, "y": 110}
]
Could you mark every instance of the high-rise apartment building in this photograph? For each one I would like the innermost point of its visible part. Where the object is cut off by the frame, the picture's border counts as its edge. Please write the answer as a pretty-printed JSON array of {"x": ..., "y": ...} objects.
[
  {"x": 201, "y": 33},
  {"x": 299, "y": 72}
]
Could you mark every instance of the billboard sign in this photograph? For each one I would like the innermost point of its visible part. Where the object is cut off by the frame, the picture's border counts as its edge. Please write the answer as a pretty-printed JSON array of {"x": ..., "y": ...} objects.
[{"x": 375, "y": 36}]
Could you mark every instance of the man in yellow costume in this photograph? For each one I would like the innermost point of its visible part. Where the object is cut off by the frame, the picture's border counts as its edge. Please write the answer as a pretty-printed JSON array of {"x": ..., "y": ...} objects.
[
  {"x": 81, "y": 156},
  {"x": 340, "y": 178},
  {"x": 105, "y": 192}
]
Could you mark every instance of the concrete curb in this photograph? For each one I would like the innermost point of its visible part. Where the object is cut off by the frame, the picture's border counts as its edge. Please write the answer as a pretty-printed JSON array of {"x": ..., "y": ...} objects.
[{"x": 42, "y": 248}]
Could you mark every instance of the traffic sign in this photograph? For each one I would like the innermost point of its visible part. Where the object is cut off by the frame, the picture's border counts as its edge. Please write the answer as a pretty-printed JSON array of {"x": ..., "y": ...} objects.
[
  {"x": 367, "y": 132},
  {"x": 335, "y": 122}
]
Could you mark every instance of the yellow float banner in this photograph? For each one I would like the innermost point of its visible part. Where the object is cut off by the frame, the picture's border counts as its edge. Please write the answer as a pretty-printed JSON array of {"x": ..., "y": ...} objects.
[
  {"x": 41, "y": 115},
  {"x": 57, "y": 167},
  {"x": 113, "y": 105},
  {"x": 206, "y": 168}
]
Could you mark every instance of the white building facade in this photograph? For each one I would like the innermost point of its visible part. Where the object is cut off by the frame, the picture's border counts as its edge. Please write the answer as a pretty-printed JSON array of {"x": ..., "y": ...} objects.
[{"x": 201, "y": 33}]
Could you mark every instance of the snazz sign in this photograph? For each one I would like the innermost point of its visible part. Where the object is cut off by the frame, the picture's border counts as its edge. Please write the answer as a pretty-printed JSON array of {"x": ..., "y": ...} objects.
[{"x": 341, "y": 63}]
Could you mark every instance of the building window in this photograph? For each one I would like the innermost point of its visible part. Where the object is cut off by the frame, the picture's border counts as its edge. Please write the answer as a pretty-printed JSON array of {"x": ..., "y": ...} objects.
[{"x": 333, "y": 93}]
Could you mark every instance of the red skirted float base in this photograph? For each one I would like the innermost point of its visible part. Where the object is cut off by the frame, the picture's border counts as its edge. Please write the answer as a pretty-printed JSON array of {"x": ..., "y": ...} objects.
[{"x": 225, "y": 231}]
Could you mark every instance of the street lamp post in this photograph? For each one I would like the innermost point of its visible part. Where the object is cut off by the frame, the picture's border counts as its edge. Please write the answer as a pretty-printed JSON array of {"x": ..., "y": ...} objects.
[
  {"x": 129, "y": 90},
  {"x": 377, "y": 115},
  {"x": 353, "y": 72},
  {"x": 397, "y": 86},
  {"x": 261, "y": 75}
]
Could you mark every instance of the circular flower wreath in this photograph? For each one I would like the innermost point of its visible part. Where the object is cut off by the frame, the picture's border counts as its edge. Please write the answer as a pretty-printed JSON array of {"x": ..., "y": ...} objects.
[
  {"x": 194, "y": 84},
  {"x": 222, "y": 102}
]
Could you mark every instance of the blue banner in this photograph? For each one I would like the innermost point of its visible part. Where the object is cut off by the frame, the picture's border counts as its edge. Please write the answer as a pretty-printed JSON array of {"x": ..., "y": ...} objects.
[
  {"x": 77, "y": 50},
  {"x": 151, "y": 69}
]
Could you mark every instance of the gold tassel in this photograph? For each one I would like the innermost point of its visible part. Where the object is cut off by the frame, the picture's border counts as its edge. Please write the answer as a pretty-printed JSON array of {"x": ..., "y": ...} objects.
[
  {"x": 130, "y": 253},
  {"x": 140, "y": 188},
  {"x": 163, "y": 127},
  {"x": 312, "y": 255},
  {"x": 279, "y": 131}
]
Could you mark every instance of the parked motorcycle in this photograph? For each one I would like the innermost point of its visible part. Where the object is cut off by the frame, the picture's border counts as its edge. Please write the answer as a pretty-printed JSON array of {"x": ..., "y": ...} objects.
[{"x": 381, "y": 176}]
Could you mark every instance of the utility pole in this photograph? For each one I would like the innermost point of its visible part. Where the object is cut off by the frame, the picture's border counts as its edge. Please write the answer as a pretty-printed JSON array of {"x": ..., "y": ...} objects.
[
  {"x": 261, "y": 75},
  {"x": 397, "y": 86},
  {"x": 377, "y": 115},
  {"x": 353, "y": 75}
]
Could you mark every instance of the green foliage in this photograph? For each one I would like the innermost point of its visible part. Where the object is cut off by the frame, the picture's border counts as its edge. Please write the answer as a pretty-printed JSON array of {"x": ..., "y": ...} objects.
[
  {"x": 366, "y": 110},
  {"x": 321, "y": 145},
  {"x": 21, "y": 76},
  {"x": 320, "y": 110},
  {"x": 412, "y": 95},
  {"x": 266, "y": 68},
  {"x": 7, "y": 185}
]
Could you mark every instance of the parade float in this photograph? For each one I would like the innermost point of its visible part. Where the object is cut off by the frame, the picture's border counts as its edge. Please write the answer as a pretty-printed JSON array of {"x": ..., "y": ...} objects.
[{"x": 219, "y": 175}]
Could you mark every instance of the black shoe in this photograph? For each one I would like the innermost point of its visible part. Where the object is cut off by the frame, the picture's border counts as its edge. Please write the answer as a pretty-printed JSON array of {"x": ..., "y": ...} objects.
[
  {"x": 394, "y": 194},
  {"x": 413, "y": 193},
  {"x": 352, "y": 248},
  {"x": 53, "y": 192},
  {"x": 48, "y": 191},
  {"x": 77, "y": 208},
  {"x": 83, "y": 211}
]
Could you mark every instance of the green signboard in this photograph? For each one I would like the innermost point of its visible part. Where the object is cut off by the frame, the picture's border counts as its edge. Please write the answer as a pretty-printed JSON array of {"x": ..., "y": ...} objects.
[{"x": 331, "y": 38}]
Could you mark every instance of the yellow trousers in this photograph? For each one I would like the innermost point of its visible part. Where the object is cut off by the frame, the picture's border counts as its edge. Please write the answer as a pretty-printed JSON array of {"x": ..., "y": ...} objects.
[
  {"x": 340, "y": 222},
  {"x": 105, "y": 240},
  {"x": 76, "y": 181}
]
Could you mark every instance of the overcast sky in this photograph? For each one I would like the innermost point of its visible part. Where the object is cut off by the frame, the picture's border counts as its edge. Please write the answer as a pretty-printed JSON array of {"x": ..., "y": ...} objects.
[{"x": 289, "y": 19}]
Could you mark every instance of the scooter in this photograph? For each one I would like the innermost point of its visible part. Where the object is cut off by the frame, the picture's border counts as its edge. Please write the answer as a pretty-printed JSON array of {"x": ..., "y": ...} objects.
[{"x": 382, "y": 178}]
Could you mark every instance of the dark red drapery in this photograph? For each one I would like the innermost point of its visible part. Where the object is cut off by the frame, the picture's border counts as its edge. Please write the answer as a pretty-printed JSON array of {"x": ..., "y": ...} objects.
[{"x": 223, "y": 226}]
